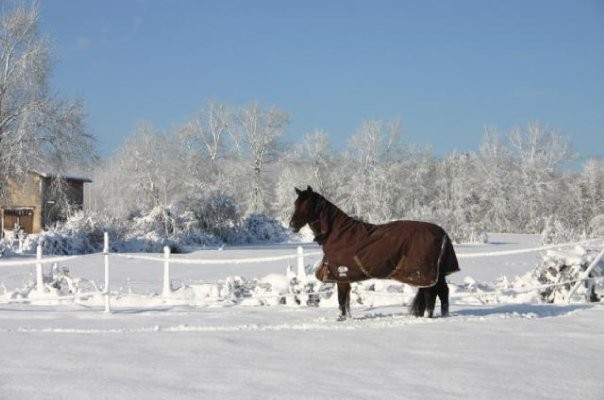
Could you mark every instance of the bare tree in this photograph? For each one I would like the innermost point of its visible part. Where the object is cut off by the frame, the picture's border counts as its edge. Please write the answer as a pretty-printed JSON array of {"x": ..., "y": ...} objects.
[
  {"x": 260, "y": 131},
  {"x": 494, "y": 169},
  {"x": 373, "y": 147},
  {"x": 146, "y": 172},
  {"x": 316, "y": 149},
  {"x": 37, "y": 130},
  {"x": 142, "y": 162},
  {"x": 205, "y": 132},
  {"x": 60, "y": 203},
  {"x": 204, "y": 143},
  {"x": 539, "y": 152},
  {"x": 539, "y": 147},
  {"x": 589, "y": 192}
]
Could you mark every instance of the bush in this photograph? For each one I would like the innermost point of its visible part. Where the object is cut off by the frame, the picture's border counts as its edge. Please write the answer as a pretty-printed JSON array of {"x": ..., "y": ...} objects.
[
  {"x": 80, "y": 234},
  {"x": 170, "y": 226},
  {"x": 166, "y": 226},
  {"x": 158, "y": 220},
  {"x": 596, "y": 226},
  {"x": 560, "y": 271},
  {"x": 215, "y": 213},
  {"x": 468, "y": 233},
  {"x": 4, "y": 249},
  {"x": 259, "y": 228},
  {"x": 556, "y": 232}
]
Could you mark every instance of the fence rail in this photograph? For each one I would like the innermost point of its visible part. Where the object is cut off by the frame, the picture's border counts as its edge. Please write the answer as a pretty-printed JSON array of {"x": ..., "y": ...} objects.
[{"x": 168, "y": 259}]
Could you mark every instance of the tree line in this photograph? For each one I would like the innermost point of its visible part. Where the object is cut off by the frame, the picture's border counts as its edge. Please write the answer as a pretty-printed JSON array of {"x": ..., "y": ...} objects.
[{"x": 231, "y": 161}]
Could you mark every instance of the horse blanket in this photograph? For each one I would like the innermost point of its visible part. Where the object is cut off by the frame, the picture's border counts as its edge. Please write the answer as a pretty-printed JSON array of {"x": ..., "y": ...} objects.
[{"x": 411, "y": 252}]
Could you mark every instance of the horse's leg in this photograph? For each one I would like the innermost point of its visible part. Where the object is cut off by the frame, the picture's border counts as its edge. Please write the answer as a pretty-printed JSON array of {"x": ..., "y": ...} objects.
[
  {"x": 430, "y": 298},
  {"x": 344, "y": 300},
  {"x": 443, "y": 295},
  {"x": 347, "y": 302}
]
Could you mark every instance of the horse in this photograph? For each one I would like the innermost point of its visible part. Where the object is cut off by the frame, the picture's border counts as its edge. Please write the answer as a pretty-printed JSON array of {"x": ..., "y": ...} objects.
[{"x": 413, "y": 252}]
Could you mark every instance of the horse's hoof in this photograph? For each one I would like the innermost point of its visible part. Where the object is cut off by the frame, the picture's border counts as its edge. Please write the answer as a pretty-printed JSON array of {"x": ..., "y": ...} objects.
[{"x": 343, "y": 317}]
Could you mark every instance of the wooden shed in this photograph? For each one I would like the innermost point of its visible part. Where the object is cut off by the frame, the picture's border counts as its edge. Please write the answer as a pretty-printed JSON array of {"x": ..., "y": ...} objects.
[{"x": 31, "y": 202}]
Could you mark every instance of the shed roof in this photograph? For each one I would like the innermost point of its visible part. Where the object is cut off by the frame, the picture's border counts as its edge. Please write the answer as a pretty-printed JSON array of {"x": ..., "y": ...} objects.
[{"x": 68, "y": 177}]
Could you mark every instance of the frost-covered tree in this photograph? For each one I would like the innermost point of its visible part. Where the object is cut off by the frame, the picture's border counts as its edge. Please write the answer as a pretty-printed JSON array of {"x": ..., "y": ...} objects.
[
  {"x": 37, "y": 130},
  {"x": 589, "y": 196},
  {"x": 539, "y": 153},
  {"x": 212, "y": 156},
  {"x": 316, "y": 153},
  {"x": 309, "y": 162},
  {"x": 456, "y": 199},
  {"x": 61, "y": 206},
  {"x": 147, "y": 171},
  {"x": 372, "y": 150},
  {"x": 204, "y": 135},
  {"x": 540, "y": 148},
  {"x": 284, "y": 188},
  {"x": 592, "y": 178},
  {"x": 494, "y": 165},
  {"x": 259, "y": 130}
]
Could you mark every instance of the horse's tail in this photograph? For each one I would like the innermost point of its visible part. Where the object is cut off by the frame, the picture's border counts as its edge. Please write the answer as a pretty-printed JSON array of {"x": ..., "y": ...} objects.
[
  {"x": 418, "y": 306},
  {"x": 448, "y": 259}
]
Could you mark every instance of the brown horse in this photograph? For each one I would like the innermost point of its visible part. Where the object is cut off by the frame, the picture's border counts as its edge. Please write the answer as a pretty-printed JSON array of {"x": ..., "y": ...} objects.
[{"x": 412, "y": 252}]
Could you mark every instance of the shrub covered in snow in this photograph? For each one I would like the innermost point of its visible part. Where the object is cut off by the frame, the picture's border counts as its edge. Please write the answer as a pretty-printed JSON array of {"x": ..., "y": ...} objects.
[
  {"x": 596, "y": 225},
  {"x": 556, "y": 231},
  {"x": 158, "y": 219},
  {"x": 4, "y": 249},
  {"x": 179, "y": 229},
  {"x": 559, "y": 271},
  {"x": 468, "y": 233},
  {"x": 217, "y": 214},
  {"x": 80, "y": 234},
  {"x": 165, "y": 227},
  {"x": 259, "y": 228}
]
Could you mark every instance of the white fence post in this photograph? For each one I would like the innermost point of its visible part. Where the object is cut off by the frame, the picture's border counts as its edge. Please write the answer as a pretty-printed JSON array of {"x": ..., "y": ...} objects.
[
  {"x": 106, "y": 256},
  {"x": 39, "y": 275},
  {"x": 301, "y": 269},
  {"x": 167, "y": 286},
  {"x": 585, "y": 275}
]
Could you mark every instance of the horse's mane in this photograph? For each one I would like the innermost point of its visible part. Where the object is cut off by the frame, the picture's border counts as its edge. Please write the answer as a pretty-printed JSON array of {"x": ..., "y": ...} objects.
[{"x": 331, "y": 216}]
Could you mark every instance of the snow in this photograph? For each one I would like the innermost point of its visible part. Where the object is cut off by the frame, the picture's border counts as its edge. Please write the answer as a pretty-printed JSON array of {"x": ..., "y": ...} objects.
[{"x": 225, "y": 334}]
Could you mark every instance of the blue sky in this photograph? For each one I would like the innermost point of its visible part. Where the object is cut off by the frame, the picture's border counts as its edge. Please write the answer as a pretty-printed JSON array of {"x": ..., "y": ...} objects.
[{"x": 446, "y": 69}]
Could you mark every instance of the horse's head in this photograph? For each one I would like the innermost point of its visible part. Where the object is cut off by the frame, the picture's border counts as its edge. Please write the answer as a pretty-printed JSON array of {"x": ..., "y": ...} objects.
[{"x": 306, "y": 209}]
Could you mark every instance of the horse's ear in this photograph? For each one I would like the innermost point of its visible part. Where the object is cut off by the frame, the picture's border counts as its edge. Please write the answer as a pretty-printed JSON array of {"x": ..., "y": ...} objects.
[
  {"x": 298, "y": 191},
  {"x": 309, "y": 189}
]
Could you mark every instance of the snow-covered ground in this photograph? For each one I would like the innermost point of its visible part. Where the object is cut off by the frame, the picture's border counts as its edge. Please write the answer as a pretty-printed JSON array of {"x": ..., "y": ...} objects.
[{"x": 211, "y": 338}]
